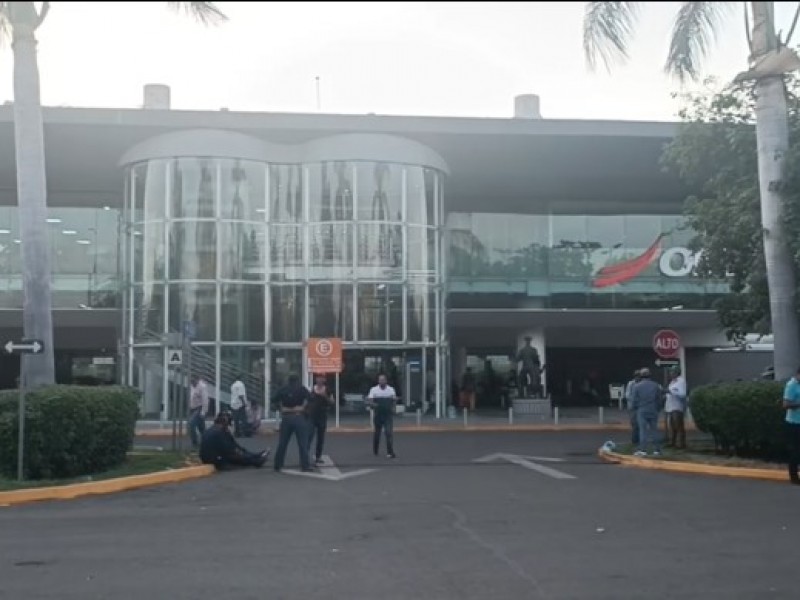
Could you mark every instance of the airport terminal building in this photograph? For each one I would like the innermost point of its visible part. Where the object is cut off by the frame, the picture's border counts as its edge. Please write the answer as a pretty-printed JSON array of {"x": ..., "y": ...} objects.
[{"x": 426, "y": 244}]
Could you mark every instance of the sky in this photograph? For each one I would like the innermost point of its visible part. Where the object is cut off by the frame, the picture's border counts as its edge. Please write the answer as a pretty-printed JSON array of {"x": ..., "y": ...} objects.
[{"x": 423, "y": 58}]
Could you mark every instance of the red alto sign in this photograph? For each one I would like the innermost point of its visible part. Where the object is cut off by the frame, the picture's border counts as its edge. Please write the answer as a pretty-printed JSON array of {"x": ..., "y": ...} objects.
[{"x": 667, "y": 344}]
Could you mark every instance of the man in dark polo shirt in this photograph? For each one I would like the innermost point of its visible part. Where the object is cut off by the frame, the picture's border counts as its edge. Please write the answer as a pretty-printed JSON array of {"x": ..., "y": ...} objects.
[
  {"x": 293, "y": 400},
  {"x": 219, "y": 448}
]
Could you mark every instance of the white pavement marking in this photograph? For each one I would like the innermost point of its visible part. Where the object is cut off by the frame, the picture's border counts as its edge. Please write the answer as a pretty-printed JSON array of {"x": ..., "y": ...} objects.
[
  {"x": 528, "y": 463},
  {"x": 329, "y": 471}
]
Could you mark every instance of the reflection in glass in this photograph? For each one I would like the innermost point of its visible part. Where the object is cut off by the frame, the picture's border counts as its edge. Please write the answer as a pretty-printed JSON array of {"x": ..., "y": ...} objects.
[
  {"x": 286, "y": 193},
  {"x": 380, "y": 191},
  {"x": 242, "y": 251},
  {"x": 420, "y": 310},
  {"x": 147, "y": 376},
  {"x": 246, "y": 362},
  {"x": 244, "y": 191},
  {"x": 287, "y": 313},
  {"x": 193, "y": 250},
  {"x": 284, "y": 362},
  {"x": 242, "y": 309},
  {"x": 150, "y": 191},
  {"x": 193, "y": 302},
  {"x": 380, "y": 247},
  {"x": 194, "y": 188},
  {"x": 421, "y": 259},
  {"x": 148, "y": 314},
  {"x": 286, "y": 252},
  {"x": 380, "y": 312},
  {"x": 331, "y": 251},
  {"x": 148, "y": 252},
  {"x": 331, "y": 193},
  {"x": 330, "y": 311}
]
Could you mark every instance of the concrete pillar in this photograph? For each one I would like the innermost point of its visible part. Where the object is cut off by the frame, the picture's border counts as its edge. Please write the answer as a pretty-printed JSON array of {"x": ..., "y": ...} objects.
[{"x": 538, "y": 341}]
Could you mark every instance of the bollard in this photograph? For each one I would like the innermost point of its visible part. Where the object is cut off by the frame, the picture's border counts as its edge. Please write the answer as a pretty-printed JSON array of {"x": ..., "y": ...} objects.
[
  {"x": 555, "y": 415},
  {"x": 419, "y": 418},
  {"x": 466, "y": 417},
  {"x": 510, "y": 415},
  {"x": 600, "y": 415}
]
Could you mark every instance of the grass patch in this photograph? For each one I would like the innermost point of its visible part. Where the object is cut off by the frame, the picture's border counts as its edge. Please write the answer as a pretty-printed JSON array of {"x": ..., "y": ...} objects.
[
  {"x": 702, "y": 451},
  {"x": 137, "y": 463}
]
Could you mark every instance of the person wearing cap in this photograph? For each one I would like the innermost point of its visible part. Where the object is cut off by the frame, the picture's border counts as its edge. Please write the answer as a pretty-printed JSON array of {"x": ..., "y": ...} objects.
[
  {"x": 791, "y": 402},
  {"x": 647, "y": 396},
  {"x": 634, "y": 421},
  {"x": 218, "y": 447},
  {"x": 675, "y": 408}
]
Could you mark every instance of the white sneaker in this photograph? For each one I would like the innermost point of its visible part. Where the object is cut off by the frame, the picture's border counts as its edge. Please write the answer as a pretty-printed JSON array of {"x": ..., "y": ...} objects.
[{"x": 640, "y": 453}]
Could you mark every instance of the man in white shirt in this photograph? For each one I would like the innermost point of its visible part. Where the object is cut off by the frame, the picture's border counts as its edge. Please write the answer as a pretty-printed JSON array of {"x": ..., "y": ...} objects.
[
  {"x": 239, "y": 407},
  {"x": 675, "y": 408},
  {"x": 382, "y": 400},
  {"x": 198, "y": 408}
]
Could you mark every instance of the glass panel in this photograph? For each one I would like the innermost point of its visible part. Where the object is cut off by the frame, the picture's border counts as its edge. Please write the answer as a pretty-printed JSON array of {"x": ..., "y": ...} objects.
[
  {"x": 246, "y": 362},
  {"x": 431, "y": 207},
  {"x": 10, "y": 259},
  {"x": 569, "y": 255},
  {"x": 605, "y": 241},
  {"x": 150, "y": 181},
  {"x": 283, "y": 362},
  {"x": 287, "y": 313},
  {"x": 380, "y": 312},
  {"x": 193, "y": 302},
  {"x": 286, "y": 193},
  {"x": 331, "y": 311},
  {"x": 194, "y": 188},
  {"x": 148, "y": 252},
  {"x": 331, "y": 247},
  {"x": 286, "y": 252},
  {"x": 193, "y": 250},
  {"x": 331, "y": 193},
  {"x": 244, "y": 191},
  {"x": 380, "y": 251},
  {"x": 380, "y": 192},
  {"x": 243, "y": 310},
  {"x": 421, "y": 203},
  {"x": 242, "y": 248},
  {"x": 148, "y": 313},
  {"x": 421, "y": 252},
  {"x": 148, "y": 376},
  {"x": 417, "y": 317}
]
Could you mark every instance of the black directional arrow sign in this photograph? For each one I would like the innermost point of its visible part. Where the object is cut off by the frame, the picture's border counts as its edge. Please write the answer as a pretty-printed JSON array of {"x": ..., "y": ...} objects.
[{"x": 24, "y": 347}]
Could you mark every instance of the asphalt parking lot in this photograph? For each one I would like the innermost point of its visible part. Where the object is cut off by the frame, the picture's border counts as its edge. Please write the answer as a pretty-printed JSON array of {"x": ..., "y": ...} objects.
[{"x": 457, "y": 515}]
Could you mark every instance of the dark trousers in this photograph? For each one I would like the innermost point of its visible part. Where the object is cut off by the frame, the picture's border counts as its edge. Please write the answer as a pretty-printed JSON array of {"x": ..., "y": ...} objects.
[
  {"x": 634, "y": 428},
  {"x": 240, "y": 421},
  {"x": 317, "y": 429},
  {"x": 383, "y": 421},
  {"x": 793, "y": 443},
  {"x": 197, "y": 423},
  {"x": 240, "y": 458},
  {"x": 296, "y": 425},
  {"x": 677, "y": 429}
]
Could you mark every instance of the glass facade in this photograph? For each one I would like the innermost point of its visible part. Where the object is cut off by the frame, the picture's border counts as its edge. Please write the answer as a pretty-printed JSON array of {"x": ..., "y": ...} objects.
[
  {"x": 571, "y": 261},
  {"x": 83, "y": 257},
  {"x": 263, "y": 256}
]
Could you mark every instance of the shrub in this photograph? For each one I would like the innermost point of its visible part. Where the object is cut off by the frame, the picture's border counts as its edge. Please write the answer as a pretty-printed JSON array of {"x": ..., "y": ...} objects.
[
  {"x": 744, "y": 418},
  {"x": 69, "y": 430}
]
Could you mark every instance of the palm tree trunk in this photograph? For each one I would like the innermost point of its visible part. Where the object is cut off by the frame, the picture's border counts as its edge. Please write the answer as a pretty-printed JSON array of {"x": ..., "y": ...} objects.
[
  {"x": 772, "y": 132},
  {"x": 31, "y": 197}
]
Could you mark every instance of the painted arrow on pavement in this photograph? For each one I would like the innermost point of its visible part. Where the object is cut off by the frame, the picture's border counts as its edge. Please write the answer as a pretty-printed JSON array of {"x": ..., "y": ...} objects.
[
  {"x": 329, "y": 471},
  {"x": 528, "y": 462}
]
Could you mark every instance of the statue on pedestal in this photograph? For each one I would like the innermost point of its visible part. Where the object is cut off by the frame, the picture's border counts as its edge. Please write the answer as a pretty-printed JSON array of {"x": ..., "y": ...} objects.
[{"x": 530, "y": 374}]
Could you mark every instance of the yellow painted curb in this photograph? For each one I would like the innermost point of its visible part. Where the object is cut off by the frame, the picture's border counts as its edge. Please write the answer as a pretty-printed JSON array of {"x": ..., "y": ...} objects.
[
  {"x": 694, "y": 468},
  {"x": 106, "y": 486}
]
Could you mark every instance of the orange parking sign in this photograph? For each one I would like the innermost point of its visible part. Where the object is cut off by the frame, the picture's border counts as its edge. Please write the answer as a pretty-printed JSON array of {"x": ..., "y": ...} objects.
[{"x": 324, "y": 355}]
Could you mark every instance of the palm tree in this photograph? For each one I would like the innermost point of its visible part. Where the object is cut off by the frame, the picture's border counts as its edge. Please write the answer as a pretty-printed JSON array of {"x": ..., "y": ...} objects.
[
  {"x": 20, "y": 20},
  {"x": 607, "y": 28}
]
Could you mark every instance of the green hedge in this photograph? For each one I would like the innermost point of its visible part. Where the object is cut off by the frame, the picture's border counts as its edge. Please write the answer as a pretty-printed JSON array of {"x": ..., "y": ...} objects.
[
  {"x": 69, "y": 430},
  {"x": 744, "y": 418}
]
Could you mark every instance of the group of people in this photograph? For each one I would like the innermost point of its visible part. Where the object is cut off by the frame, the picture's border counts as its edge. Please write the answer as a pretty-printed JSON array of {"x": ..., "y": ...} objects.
[
  {"x": 646, "y": 399},
  {"x": 244, "y": 415},
  {"x": 304, "y": 416}
]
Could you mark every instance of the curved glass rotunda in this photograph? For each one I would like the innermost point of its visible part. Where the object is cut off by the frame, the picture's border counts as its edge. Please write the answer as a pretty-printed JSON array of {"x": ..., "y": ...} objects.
[{"x": 261, "y": 246}]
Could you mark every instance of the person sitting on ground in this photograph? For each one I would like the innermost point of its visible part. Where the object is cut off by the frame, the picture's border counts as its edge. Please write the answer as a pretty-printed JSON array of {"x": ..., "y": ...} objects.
[{"x": 219, "y": 448}]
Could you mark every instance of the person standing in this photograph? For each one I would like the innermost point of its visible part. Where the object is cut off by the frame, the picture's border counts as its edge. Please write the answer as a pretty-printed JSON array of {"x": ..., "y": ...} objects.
[
  {"x": 634, "y": 420},
  {"x": 647, "y": 404},
  {"x": 675, "y": 408},
  {"x": 239, "y": 407},
  {"x": 791, "y": 402},
  {"x": 321, "y": 399},
  {"x": 293, "y": 400},
  {"x": 198, "y": 409},
  {"x": 382, "y": 399}
]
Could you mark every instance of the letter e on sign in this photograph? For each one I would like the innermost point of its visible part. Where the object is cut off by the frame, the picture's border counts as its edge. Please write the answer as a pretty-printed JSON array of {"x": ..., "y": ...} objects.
[
  {"x": 667, "y": 344},
  {"x": 324, "y": 355}
]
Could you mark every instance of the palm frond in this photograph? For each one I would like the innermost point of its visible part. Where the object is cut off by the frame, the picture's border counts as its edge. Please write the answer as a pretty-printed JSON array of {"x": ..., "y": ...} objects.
[
  {"x": 693, "y": 33},
  {"x": 607, "y": 28},
  {"x": 205, "y": 12}
]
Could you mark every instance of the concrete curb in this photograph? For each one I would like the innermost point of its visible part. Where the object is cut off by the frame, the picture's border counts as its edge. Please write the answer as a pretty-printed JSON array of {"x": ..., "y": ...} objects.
[
  {"x": 106, "y": 486},
  {"x": 693, "y": 468},
  {"x": 165, "y": 433}
]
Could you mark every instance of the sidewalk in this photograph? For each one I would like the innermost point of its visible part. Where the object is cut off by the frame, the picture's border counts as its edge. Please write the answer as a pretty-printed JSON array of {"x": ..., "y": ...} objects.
[{"x": 569, "y": 419}]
